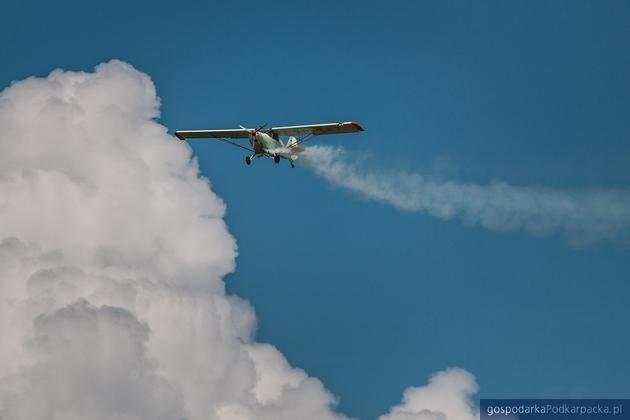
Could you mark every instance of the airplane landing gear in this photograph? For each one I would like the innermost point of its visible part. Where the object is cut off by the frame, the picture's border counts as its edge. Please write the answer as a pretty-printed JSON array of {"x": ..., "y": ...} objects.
[
  {"x": 276, "y": 159},
  {"x": 248, "y": 160}
]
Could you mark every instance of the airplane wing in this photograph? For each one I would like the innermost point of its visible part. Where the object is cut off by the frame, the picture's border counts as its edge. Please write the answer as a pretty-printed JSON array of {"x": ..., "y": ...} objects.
[
  {"x": 236, "y": 133},
  {"x": 318, "y": 129},
  {"x": 221, "y": 135}
]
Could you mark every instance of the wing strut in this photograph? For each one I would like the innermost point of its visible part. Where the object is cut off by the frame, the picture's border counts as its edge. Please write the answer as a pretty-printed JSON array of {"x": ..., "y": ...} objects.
[
  {"x": 304, "y": 139},
  {"x": 233, "y": 143}
]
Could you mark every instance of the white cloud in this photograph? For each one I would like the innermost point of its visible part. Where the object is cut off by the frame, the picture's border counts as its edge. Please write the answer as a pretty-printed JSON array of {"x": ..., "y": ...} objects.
[
  {"x": 112, "y": 253},
  {"x": 582, "y": 216},
  {"x": 91, "y": 363},
  {"x": 446, "y": 397},
  {"x": 112, "y": 303}
]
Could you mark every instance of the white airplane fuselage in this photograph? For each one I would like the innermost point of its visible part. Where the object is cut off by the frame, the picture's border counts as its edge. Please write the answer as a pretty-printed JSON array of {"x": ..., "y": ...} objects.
[
  {"x": 263, "y": 141},
  {"x": 265, "y": 145}
]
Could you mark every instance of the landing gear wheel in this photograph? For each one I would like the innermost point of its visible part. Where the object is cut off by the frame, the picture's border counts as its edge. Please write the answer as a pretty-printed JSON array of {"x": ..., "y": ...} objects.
[
  {"x": 248, "y": 160},
  {"x": 276, "y": 159}
]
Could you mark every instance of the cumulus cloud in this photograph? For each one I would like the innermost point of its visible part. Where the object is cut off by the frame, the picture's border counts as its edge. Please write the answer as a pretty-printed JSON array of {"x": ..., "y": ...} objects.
[
  {"x": 582, "y": 216},
  {"x": 112, "y": 304},
  {"x": 112, "y": 253},
  {"x": 446, "y": 397},
  {"x": 98, "y": 354}
]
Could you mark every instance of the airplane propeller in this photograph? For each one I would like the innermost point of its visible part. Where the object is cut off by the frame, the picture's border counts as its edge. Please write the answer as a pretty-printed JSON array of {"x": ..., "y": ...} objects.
[{"x": 251, "y": 131}]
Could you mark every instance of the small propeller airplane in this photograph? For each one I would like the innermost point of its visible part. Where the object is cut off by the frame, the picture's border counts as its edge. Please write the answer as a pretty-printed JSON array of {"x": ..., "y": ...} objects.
[{"x": 266, "y": 142}]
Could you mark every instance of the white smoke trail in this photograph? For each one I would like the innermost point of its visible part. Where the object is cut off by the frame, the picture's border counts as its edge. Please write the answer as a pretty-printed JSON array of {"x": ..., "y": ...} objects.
[
  {"x": 112, "y": 253},
  {"x": 582, "y": 216}
]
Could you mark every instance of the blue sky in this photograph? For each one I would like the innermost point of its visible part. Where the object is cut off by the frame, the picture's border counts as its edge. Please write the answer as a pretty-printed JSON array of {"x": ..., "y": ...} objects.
[{"x": 368, "y": 298}]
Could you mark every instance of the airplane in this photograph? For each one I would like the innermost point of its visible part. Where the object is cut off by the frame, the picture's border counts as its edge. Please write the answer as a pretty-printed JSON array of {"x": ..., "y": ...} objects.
[{"x": 266, "y": 142}]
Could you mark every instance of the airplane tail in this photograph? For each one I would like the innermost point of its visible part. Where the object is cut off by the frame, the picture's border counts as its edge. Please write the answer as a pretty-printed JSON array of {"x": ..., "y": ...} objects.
[
  {"x": 294, "y": 145},
  {"x": 292, "y": 142}
]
